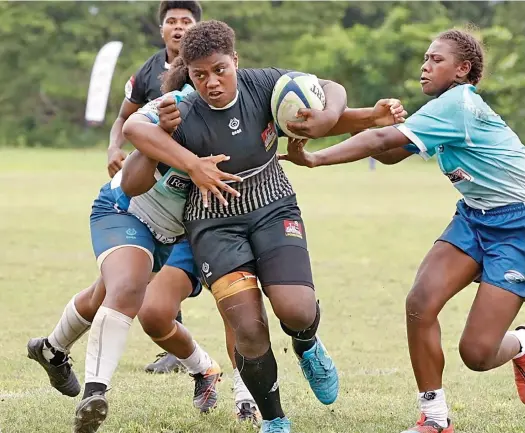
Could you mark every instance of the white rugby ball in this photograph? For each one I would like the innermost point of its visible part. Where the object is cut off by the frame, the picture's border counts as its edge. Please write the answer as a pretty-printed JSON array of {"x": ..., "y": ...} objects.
[{"x": 293, "y": 91}]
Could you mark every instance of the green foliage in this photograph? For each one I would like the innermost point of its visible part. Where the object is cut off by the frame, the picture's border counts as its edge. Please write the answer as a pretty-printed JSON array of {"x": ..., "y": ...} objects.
[{"x": 373, "y": 48}]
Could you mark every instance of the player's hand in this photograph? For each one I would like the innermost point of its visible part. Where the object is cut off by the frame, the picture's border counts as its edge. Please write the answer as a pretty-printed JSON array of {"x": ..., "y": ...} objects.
[
  {"x": 297, "y": 154},
  {"x": 313, "y": 123},
  {"x": 389, "y": 112},
  {"x": 210, "y": 180},
  {"x": 115, "y": 158},
  {"x": 169, "y": 114}
]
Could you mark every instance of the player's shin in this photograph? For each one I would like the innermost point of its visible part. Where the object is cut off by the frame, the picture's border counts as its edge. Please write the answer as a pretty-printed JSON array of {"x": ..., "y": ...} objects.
[{"x": 106, "y": 344}]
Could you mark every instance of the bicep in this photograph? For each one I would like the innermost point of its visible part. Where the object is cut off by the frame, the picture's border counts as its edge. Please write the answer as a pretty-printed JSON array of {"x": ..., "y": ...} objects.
[
  {"x": 127, "y": 108},
  {"x": 393, "y": 156}
]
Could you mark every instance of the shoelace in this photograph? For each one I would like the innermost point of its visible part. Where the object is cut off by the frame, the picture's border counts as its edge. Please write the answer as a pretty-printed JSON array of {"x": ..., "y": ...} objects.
[
  {"x": 160, "y": 355},
  {"x": 200, "y": 383},
  {"x": 313, "y": 367},
  {"x": 246, "y": 411}
]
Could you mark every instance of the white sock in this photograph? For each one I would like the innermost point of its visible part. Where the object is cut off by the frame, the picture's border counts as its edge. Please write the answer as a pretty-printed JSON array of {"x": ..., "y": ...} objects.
[
  {"x": 434, "y": 405},
  {"x": 519, "y": 334},
  {"x": 106, "y": 344},
  {"x": 198, "y": 362},
  {"x": 68, "y": 330},
  {"x": 240, "y": 392}
]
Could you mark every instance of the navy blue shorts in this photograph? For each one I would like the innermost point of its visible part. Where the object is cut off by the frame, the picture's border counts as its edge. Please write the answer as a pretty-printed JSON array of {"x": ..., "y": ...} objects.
[
  {"x": 495, "y": 239},
  {"x": 113, "y": 228}
]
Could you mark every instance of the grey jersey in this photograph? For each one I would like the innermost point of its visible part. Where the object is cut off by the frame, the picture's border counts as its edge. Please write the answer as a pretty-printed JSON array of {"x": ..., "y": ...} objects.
[
  {"x": 162, "y": 207},
  {"x": 245, "y": 131}
]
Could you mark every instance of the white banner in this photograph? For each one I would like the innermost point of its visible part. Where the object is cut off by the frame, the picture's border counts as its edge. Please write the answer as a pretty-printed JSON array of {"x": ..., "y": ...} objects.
[{"x": 100, "y": 82}]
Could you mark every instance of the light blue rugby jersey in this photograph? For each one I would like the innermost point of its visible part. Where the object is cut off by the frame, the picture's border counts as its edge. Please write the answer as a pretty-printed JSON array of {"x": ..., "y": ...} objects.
[
  {"x": 162, "y": 207},
  {"x": 483, "y": 158}
]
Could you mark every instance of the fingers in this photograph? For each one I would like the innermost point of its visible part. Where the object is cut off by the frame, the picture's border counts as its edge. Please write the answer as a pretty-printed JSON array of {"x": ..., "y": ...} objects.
[
  {"x": 298, "y": 128},
  {"x": 283, "y": 157},
  {"x": 304, "y": 113},
  {"x": 215, "y": 191},
  {"x": 204, "y": 195},
  {"x": 168, "y": 104}
]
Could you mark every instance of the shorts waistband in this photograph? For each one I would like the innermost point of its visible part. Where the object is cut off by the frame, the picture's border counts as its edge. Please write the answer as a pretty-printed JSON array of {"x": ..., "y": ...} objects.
[{"x": 509, "y": 208}]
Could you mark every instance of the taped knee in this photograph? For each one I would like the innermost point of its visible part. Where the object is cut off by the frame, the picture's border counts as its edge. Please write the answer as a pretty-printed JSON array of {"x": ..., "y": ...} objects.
[
  {"x": 233, "y": 283},
  {"x": 308, "y": 333}
]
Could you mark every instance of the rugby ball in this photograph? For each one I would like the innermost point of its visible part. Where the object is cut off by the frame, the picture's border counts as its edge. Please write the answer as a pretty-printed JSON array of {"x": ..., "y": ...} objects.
[{"x": 291, "y": 92}]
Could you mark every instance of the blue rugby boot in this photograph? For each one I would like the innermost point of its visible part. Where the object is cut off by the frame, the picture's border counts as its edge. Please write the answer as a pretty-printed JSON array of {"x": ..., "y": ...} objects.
[{"x": 277, "y": 425}]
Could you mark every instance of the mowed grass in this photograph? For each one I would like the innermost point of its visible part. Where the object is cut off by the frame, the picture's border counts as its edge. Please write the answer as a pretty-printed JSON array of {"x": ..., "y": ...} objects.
[{"x": 367, "y": 233}]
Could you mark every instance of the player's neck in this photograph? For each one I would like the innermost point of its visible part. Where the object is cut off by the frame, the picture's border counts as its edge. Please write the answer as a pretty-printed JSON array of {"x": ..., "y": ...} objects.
[{"x": 170, "y": 55}]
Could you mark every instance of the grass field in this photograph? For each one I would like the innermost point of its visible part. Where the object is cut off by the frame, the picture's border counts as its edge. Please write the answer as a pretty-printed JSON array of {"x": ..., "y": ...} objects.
[{"x": 367, "y": 233}]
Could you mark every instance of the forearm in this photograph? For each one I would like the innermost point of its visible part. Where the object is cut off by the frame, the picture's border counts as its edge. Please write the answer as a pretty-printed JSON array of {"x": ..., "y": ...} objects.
[
  {"x": 138, "y": 174},
  {"x": 157, "y": 144},
  {"x": 116, "y": 137},
  {"x": 368, "y": 143},
  {"x": 353, "y": 121}
]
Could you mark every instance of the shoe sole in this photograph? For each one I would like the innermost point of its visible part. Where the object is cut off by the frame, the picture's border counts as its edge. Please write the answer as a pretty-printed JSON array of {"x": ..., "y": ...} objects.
[
  {"x": 34, "y": 352},
  {"x": 208, "y": 409},
  {"x": 91, "y": 414}
]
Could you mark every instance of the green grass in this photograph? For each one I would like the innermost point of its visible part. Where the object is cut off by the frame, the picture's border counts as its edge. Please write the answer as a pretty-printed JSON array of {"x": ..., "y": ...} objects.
[{"x": 367, "y": 233}]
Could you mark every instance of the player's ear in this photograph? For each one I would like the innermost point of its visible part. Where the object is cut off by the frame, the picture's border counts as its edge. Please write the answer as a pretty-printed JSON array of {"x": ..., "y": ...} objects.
[
  {"x": 161, "y": 32},
  {"x": 235, "y": 59}
]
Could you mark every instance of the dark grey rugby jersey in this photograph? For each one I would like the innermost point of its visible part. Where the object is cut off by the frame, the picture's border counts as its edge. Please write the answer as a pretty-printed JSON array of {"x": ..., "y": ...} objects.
[{"x": 245, "y": 132}]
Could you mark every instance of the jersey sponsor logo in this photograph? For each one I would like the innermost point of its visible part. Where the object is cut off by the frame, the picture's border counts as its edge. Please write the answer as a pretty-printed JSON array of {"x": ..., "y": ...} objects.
[
  {"x": 129, "y": 87},
  {"x": 514, "y": 277},
  {"x": 269, "y": 135},
  {"x": 234, "y": 124},
  {"x": 293, "y": 228},
  {"x": 459, "y": 175},
  {"x": 177, "y": 182}
]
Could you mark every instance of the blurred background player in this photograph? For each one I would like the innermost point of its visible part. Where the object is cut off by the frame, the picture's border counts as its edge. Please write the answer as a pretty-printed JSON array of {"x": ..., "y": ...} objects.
[{"x": 175, "y": 17}]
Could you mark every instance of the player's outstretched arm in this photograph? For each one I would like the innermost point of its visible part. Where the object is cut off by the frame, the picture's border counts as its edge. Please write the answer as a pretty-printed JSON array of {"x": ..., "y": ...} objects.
[
  {"x": 138, "y": 174},
  {"x": 386, "y": 112},
  {"x": 368, "y": 143}
]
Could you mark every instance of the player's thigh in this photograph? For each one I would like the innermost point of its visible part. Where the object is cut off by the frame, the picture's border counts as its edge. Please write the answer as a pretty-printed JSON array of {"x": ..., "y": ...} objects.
[
  {"x": 452, "y": 263},
  {"x": 124, "y": 249},
  {"x": 219, "y": 246}
]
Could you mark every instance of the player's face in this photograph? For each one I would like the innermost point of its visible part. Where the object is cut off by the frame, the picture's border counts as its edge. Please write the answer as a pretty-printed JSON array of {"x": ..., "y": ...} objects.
[
  {"x": 215, "y": 78},
  {"x": 441, "y": 69},
  {"x": 175, "y": 24}
]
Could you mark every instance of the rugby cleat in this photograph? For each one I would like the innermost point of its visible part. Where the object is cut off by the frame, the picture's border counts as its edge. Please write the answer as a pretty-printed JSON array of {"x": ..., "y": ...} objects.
[
  {"x": 165, "y": 363},
  {"x": 246, "y": 411},
  {"x": 277, "y": 425},
  {"x": 91, "y": 413},
  {"x": 319, "y": 369},
  {"x": 429, "y": 426},
  {"x": 206, "y": 395},
  {"x": 61, "y": 377}
]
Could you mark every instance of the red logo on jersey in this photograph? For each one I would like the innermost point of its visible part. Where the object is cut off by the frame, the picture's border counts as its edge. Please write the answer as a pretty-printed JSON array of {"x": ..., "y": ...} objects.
[
  {"x": 269, "y": 135},
  {"x": 458, "y": 175},
  {"x": 293, "y": 228}
]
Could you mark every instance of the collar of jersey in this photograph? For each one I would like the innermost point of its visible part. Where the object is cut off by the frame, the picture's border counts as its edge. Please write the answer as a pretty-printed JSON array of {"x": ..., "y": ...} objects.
[{"x": 231, "y": 104}]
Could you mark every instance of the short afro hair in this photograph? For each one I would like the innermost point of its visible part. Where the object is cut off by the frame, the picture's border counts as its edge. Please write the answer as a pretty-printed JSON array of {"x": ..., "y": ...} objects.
[
  {"x": 207, "y": 38},
  {"x": 193, "y": 6}
]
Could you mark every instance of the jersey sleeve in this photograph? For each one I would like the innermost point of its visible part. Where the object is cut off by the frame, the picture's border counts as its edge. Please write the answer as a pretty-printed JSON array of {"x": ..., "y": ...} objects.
[
  {"x": 436, "y": 123},
  {"x": 151, "y": 109},
  {"x": 135, "y": 88},
  {"x": 267, "y": 77}
]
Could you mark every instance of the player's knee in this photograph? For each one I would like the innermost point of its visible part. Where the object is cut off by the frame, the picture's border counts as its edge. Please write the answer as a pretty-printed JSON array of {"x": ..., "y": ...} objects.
[
  {"x": 421, "y": 306},
  {"x": 477, "y": 356},
  {"x": 155, "y": 319},
  {"x": 125, "y": 296},
  {"x": 305, "y": 329}
]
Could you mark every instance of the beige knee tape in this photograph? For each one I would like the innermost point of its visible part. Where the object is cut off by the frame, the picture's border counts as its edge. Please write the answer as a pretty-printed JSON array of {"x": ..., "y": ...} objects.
[
  {"x": 171, "y": 334},
  {"x": 231, "y": 284}
]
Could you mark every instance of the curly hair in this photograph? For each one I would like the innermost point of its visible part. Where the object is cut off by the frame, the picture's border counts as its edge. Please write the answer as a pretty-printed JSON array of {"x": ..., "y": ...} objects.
[
  {"x": 468, "y": 48},
  {"x": 207, "y": 38},
  {"x": 193, "y": 6},
  {"x": 175, "y": 77}
]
